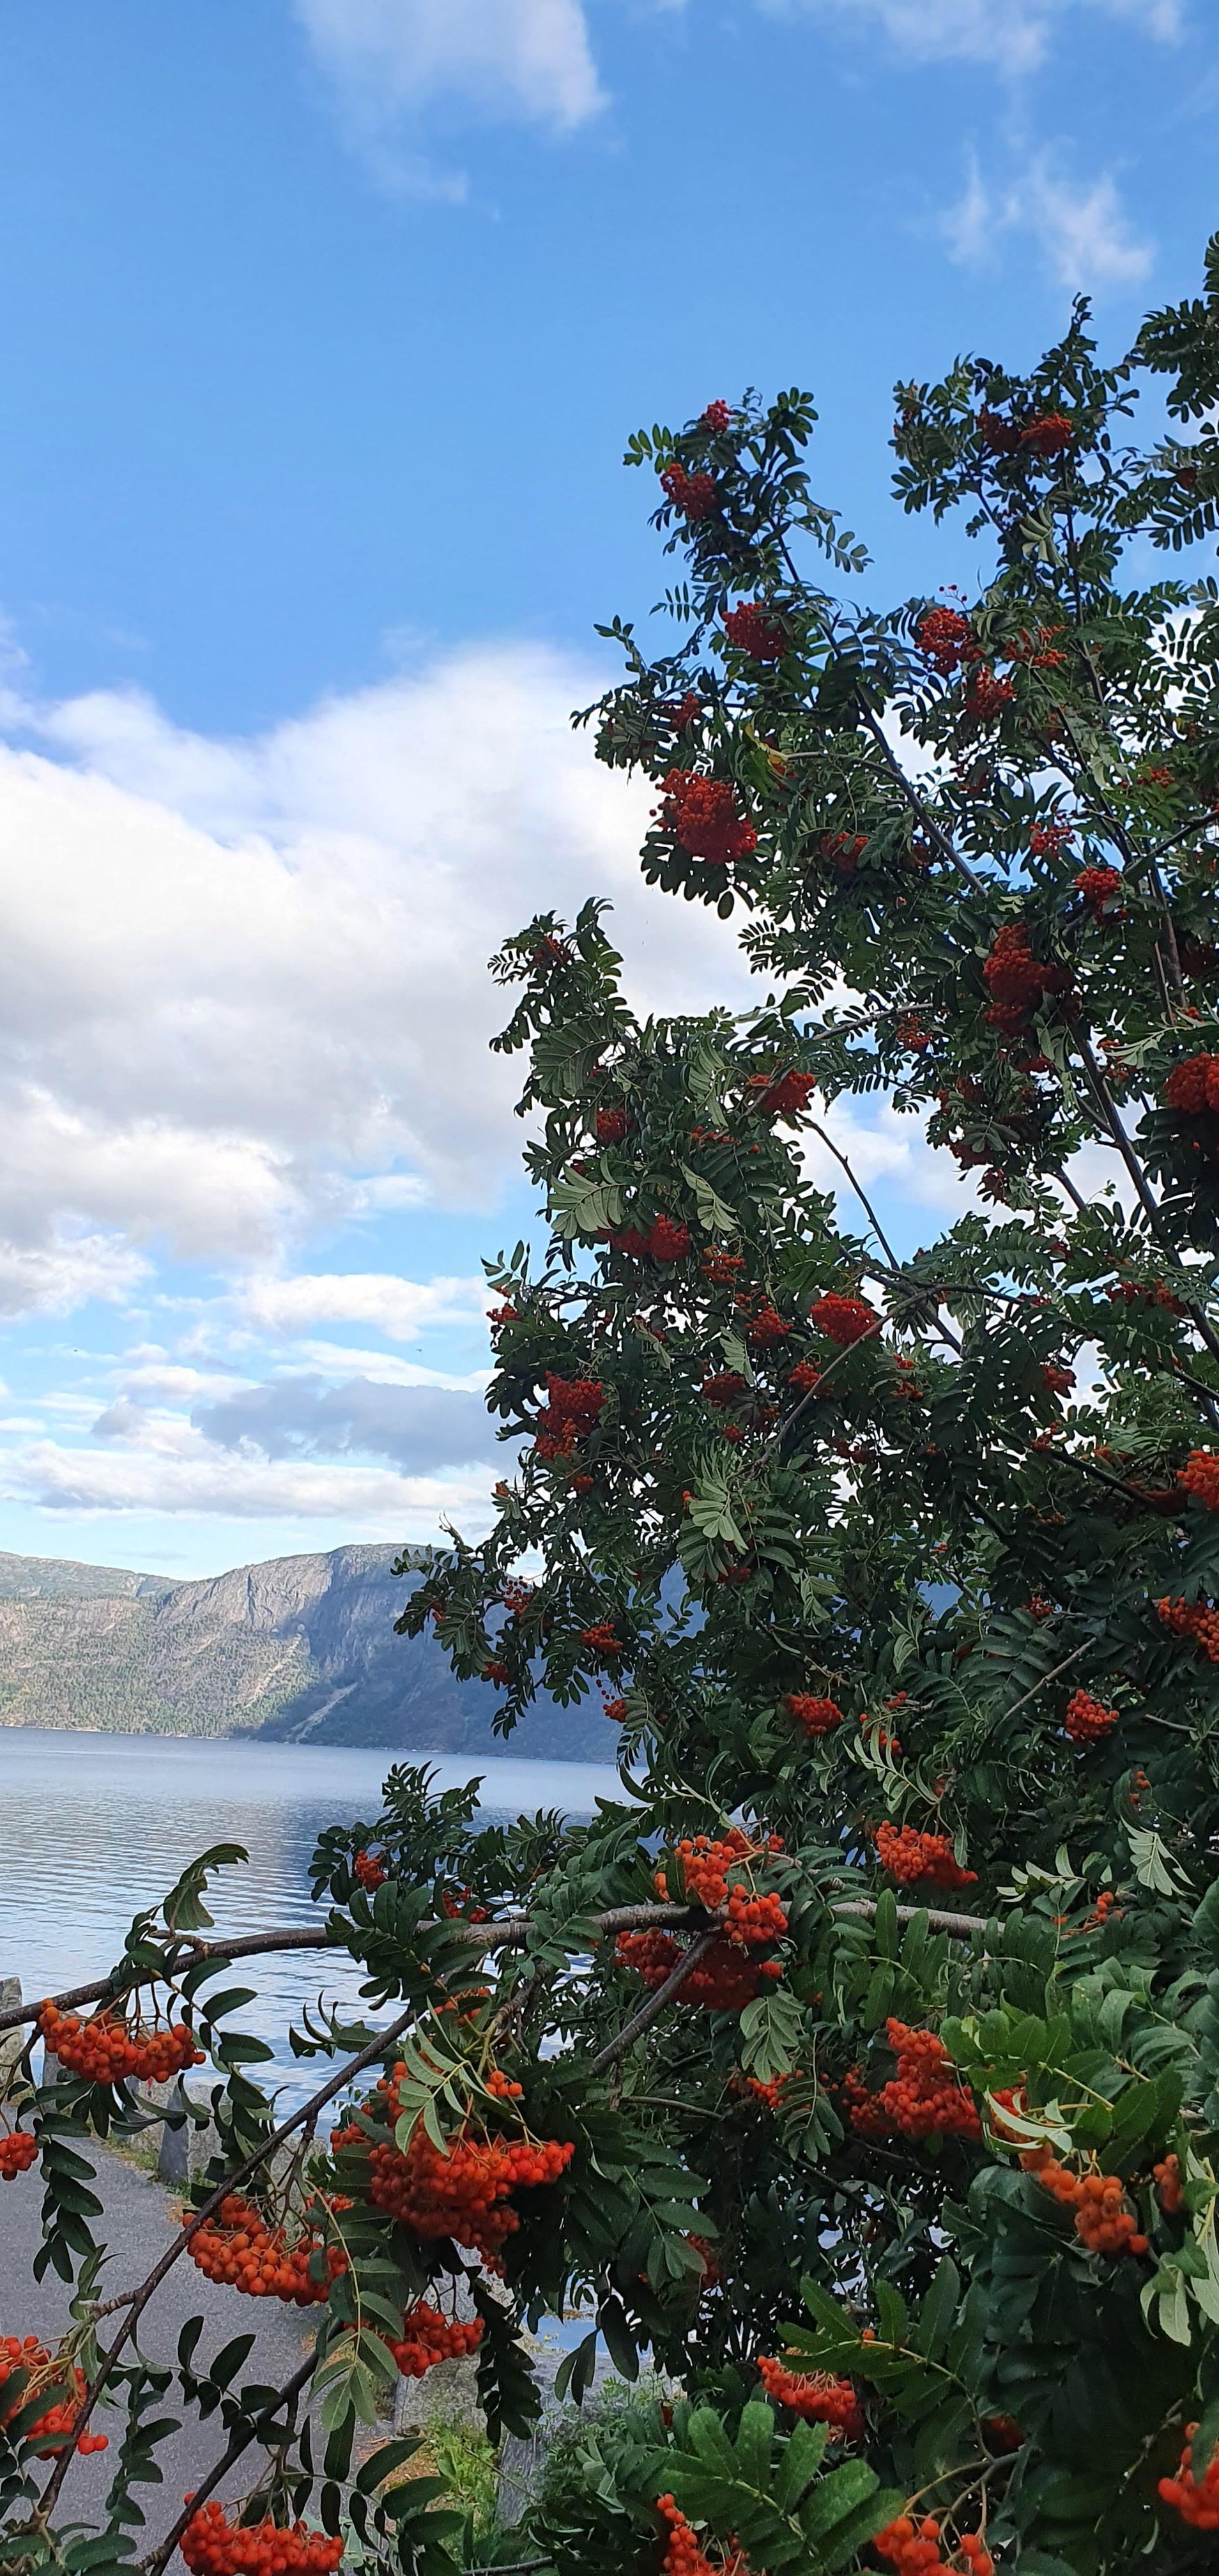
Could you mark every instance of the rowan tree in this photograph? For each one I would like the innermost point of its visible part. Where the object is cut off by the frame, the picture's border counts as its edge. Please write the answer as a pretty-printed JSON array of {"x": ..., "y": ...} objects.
[{"x": 856, "y": 2068}]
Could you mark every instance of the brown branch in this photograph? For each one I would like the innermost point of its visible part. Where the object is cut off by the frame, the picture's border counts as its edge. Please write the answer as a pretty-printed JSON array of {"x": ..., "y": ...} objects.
[
  {"x": 509, "y": 1929},
  {"x": 246, "y": 1945},
  {"x": 935, "y": 830},
  {"x": 305, "y": 2117},
  {"x": 1149, "y": 1205},
  {"x": 1052, "y": 1676},
  {"x": 241, "y": 2441},
  {"x": 654, "y": 2003},
  {"x": 862, "y": 1909},
  {"x": 860, "y": 1193}
]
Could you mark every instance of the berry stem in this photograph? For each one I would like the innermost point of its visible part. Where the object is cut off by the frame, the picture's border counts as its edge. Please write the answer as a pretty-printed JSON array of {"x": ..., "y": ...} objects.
[
  {"x": 259, "y": 2155},
  {"x": 241, "y": 2442}
]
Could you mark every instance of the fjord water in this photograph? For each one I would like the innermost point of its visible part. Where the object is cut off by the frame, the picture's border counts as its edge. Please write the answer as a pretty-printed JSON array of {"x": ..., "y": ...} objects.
[{"x": 94, "y": 1827}]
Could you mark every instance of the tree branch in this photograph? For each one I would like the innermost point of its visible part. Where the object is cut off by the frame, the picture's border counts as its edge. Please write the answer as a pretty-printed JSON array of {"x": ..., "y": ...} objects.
[
  {"x": 241, "y": 2441},
  {"x": 655, "y": 2002},
  {"x": 259, "y": 2155}
]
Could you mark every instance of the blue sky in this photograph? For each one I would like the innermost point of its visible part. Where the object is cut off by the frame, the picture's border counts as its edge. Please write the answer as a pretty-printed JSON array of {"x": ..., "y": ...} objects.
[{"x": 325, "y": 325}]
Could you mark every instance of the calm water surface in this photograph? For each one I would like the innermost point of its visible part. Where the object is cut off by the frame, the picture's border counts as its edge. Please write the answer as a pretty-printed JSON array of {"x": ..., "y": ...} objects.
[{"x": 94, "y": 1827}]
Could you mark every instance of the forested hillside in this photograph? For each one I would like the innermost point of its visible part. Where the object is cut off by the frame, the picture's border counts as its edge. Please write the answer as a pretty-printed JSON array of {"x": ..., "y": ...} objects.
[{"x": 302, "y": 1648}]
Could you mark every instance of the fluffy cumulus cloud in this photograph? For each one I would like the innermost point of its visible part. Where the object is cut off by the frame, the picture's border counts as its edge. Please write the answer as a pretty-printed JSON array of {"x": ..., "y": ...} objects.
[
  {"x": 390, "y": 61},
  {"x": 1079, "y": 227},
  {"x": 247, "y": 986},
  {"x": 399, "y": 1308},
  {"x": 164, "y": 1466}
]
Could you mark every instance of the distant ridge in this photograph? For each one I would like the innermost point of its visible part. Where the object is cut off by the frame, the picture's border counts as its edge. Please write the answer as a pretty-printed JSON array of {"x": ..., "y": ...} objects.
[{"x": 300, "y": 1649}]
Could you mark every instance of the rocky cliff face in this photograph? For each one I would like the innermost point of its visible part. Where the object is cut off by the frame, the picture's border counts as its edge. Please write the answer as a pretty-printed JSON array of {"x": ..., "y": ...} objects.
[{"x": 299, "y": 1649}]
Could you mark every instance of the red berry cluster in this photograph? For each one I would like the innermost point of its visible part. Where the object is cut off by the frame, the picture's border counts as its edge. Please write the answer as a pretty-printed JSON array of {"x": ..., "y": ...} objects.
[
  {"x": 816, "y": 1716},
  {"x": 844, "y": 1319},
  {"x": 924, "y": 2099},
  {"x": 815, "y": 2395},
  {"x": 1086, "y": 1721},
  {"x": 986, "y": 693},
  {"x": 770, "y": 2092},
  {"x": 1196, "y": 2500},
  {"x": 213, "y": 2546},
  {"x": 611, "y": 1126},
  {"x": 456, "y": 1907},
  {"x": 462, "y": 2191},
  {"x": 706, "y": 1867},
  {"x": 913, "y": 2548},
  {"x": 717, "y": 416},
  {"x": 915, "y": 1859},
  {"x": 844, "y": 850},
  {"x": 427, "y": 2338},
  {"x": 1102, "y": 2220},
  {"x": 725, "y": 1979},
  {"x": 1048, "y": 435},
  {"x": 720, "y": 1268},
  {"x": 787, "y": 1095},
  {"x": 754, "y": 631},
  {"x": 568, "y": 1415},
  {"x": 701, "y": 813},
  {"x": 685, "y": 2555},
  {"x": 1130, "y": 1292},
  {"x": 109, "y": 2050},
  {"x": 695, "y": 495},
  {"x": 41, "y": 2371},
  {"x": 1098, "y": 886},
  {"x": 804, "y": 1377},
  {"x": 668, "y": 1239},
  {"x": 576, "y": 1399},
  {"x": 502, "y": 2089},
  {"x": 1017, "y": 981},
  {"x": 1200, "y": 1477},
  {"x": 1194, "y": 1085},
  {"x": 724, "y": 1390},
  {"x": 238, "y": 2248},
  {"x": 370, "y": 1870},
  {"x": 948, "y": 639},
  {"x": 18, "y": 2151},
  {"x": 1168, "y": 2185},
  {"x": 1057, "y": 1381},
  {"x": 602, "y": 1639},
  {"x": 766, "y": 1328}
]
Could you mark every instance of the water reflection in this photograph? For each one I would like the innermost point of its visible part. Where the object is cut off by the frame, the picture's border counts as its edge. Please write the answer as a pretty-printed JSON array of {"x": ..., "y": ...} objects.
[{"x": 93, "y": 1827}]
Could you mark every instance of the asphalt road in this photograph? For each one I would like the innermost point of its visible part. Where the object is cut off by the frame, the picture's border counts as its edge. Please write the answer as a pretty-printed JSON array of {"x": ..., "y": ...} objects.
[{"x": 139, "y": 2223}]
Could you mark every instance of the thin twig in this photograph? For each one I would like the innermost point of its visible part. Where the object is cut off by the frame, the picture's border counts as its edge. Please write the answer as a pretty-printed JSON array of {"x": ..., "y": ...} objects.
[
  {"x": 247, "y": 1945},
  {"x": 860, "y": 1193},
  {"x": 1046, "y": 1678},
  {"x": 241, "y": 2441},
  {"x": 934, "y": 829},
  {"x": 249, "y": 2164},
  {"x": 654, "y": 2003}
]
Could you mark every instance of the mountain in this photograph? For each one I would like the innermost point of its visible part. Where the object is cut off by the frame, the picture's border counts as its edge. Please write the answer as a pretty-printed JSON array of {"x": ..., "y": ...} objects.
[{"x": 301, "y": 1649}]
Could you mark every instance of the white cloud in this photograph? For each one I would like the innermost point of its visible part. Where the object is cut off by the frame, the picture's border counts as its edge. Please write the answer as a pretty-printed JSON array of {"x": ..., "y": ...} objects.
[
  {"x": 1014, "y": 36},
  {"x": 159, "y": 1463},
  {"x": 246, "y": 987},
  {"x": 399, "y": 1308},
  {"x": 335, "y": 1357},
  {"x": 391, "y": 61},
  {"x": 1080, "y": 228},
  {"x": 66, "y": 1271}
]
